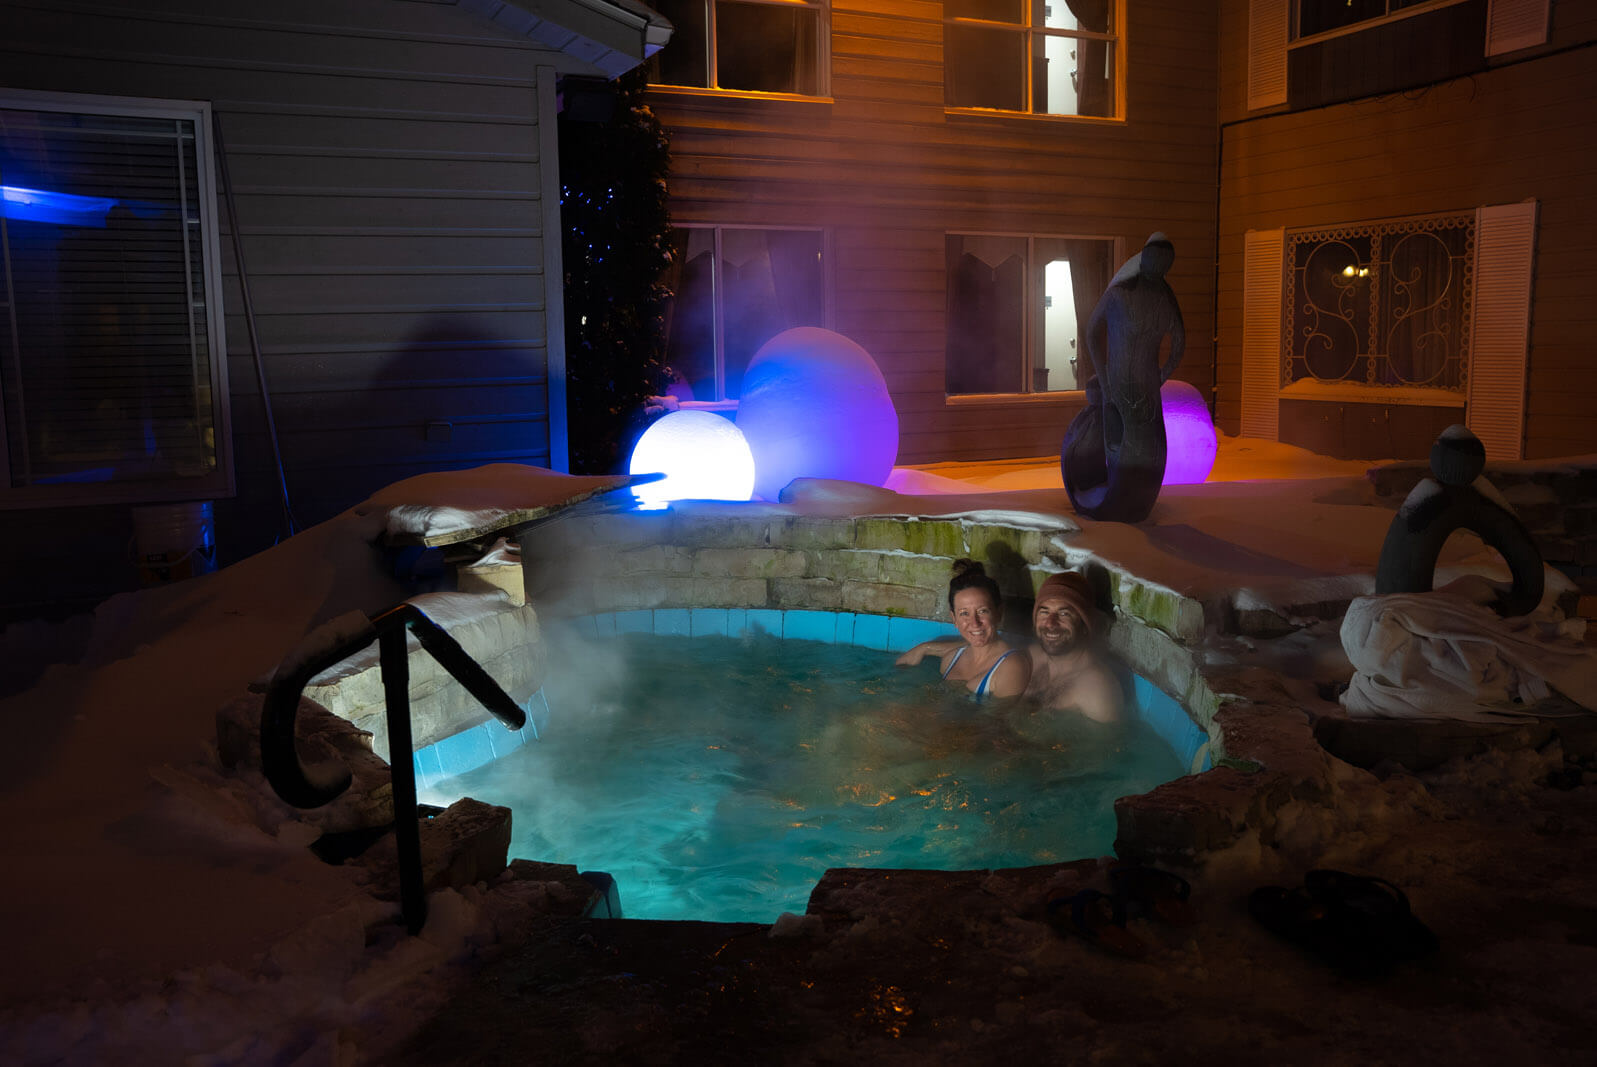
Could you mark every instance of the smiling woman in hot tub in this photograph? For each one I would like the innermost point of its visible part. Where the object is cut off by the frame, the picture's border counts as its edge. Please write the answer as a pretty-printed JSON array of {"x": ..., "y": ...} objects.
[{"x": 986, "y": 665}]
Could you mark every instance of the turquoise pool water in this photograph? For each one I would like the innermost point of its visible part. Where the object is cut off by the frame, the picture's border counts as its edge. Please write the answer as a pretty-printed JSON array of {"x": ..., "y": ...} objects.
[{"x": 717, "y": 777}]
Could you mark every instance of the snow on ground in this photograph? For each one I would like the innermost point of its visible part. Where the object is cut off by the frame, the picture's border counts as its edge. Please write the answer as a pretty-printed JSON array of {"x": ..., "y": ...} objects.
[{"x": 160, "y": 908}]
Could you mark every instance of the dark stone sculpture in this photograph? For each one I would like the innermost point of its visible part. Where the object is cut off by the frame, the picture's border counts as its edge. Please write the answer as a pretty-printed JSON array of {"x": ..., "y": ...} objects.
[
  {"x": 1113, "y": 455},
  {"x": 1452, "y": 501}
]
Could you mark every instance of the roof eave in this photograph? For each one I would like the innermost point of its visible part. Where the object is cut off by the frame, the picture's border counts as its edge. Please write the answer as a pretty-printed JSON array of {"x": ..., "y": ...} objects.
[{"x": 613, "y": 36}]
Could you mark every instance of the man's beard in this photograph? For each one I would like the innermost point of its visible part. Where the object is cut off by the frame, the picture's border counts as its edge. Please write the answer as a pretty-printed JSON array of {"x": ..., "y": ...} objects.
[{"x": 1065, "y": 643}]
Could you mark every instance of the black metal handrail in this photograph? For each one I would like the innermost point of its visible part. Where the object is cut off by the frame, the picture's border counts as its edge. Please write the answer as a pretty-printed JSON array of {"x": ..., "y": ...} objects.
[{"x": 305, "y": 787}]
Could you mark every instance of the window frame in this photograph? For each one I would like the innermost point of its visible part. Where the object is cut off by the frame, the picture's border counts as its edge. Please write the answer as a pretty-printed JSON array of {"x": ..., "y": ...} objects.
[
  {"x": 1115, "y": 39},
  {"x": 718, "y": 302},
  {"x": 1500, "y": 334},
  {"x": 823, "y": 56},
  {"x": 1033, "y": 317},
  {"x": 220, "y": 481},
  {"x": 1310, "y": 387}
]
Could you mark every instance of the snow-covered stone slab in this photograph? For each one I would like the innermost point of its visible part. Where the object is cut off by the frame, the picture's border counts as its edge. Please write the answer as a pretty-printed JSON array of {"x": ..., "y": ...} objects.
[{"x": 449, "y": 507}]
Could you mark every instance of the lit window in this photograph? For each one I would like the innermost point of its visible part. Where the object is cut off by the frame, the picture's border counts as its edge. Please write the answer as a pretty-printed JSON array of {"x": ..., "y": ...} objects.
[
  {"x": 1018, "y": 309},
  {"x": 1381, "y": 303},
  {"x": 735, "y": 289},
  {"x": 1046, "y": 58},
  {"x": 753, "y": 45},
  {"x": 110, "y": 333},
  {"x": 1322, "y": 16}
]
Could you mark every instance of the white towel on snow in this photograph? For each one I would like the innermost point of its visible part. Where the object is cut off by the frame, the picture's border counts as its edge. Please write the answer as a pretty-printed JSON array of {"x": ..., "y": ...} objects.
[{"x": 1442, "y": 655}]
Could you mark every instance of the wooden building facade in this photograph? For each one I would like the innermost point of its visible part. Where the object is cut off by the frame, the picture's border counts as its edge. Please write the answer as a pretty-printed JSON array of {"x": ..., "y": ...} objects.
[
  {"x": 1406, "y": 238},
  {"x": 1445, "y": 137},
  {"x": 910, "y": 180}
]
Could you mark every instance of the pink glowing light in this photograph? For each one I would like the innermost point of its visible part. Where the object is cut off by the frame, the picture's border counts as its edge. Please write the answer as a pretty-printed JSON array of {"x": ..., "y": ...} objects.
[{"x": 1190, "y": 440}]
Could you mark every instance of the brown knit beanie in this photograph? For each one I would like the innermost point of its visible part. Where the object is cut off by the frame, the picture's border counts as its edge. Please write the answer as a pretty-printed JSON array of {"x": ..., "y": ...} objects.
[{"x": 1072, "y": 587}]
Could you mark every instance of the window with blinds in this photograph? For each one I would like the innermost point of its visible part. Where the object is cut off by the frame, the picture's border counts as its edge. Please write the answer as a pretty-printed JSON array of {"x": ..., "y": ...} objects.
[{"x": 111, "y": 370}]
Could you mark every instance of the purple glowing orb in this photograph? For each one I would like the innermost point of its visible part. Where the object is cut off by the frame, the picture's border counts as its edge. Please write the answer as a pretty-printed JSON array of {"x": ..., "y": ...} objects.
[
  {"x": 814, "y": 405},
  {"x": 1190, "y": 440}
]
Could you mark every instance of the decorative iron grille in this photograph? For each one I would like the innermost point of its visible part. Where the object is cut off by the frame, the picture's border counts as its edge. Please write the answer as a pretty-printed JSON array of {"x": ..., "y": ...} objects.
[{"x": 1381, "y": 303}]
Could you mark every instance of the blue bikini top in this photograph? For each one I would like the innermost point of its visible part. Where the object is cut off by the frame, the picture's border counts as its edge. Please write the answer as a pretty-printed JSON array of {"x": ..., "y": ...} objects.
[{"x": 979, "y": 694}]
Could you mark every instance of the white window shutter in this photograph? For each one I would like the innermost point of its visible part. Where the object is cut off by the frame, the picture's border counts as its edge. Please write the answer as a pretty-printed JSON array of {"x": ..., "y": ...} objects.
[
  {"x": 1261, "y": 332},
  {"x": 1515, "y": 24},
  {"x": 1505, "y": 252},
  {"x": 1267, "y": 31}
]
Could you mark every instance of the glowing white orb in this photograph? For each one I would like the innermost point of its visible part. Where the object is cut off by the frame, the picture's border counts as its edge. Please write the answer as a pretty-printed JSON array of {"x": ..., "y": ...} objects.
[
  {"x": 1190, "y": 441},
  {"x": 702, "y": 455},
  {"x": 814, "y": 405}
]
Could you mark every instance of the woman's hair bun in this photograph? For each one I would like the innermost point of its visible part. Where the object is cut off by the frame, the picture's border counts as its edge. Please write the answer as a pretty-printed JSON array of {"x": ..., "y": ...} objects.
[{"x": 965, "y": 567}]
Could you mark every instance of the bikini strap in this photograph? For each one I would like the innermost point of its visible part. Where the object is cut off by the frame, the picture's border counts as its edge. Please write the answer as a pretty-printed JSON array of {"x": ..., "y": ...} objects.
[{"x": 960, "y": 651}]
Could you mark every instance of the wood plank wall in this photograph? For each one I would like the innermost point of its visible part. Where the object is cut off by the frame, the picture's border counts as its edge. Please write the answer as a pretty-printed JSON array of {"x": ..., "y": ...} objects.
[
  {"x": 385, "y": 158},
  {"x": 889, "y": 172},
  {"x": 1524, "y": 128}
]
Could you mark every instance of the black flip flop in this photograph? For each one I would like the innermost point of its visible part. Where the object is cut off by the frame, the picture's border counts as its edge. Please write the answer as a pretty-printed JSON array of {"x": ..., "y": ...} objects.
[
  {"x": 1361, "y": 926},
  {"x": 1153, "y": 892},
  {"x": 1098, "y": 918},
  {"x": 1380, "y": 906}
]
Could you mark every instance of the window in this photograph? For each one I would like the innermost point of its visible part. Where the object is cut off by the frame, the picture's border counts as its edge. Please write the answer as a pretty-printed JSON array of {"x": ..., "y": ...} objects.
[
  {"x": 735, "y": 289},
  {"x": 1045, "y": 58},
  {"x": 1018, "y": 309},
  {"x": 1381, "y": 303},
  {"x": 1321, "y": 16},
  {"x": 111, "y": 356},
  {"x": 1311, "y": 53},
  {"x": 766, "y": 46}
]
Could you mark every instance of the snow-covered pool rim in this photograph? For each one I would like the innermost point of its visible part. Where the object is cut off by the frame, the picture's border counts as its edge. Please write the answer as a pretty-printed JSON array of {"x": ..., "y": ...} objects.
[{"x": 479, "y": 745}]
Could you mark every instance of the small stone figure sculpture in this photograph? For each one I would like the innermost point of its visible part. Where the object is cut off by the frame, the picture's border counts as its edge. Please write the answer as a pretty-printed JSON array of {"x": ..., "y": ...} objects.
[
  {"x": 1457, "y": 498},
  {"x": 1113, "y": 455}
]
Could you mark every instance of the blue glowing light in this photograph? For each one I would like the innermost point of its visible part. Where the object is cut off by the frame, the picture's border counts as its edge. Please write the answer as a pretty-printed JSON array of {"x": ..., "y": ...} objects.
[
  {"x": 815, "y": 405},
  {"x": 41, "y": 205},
  {"x": 702, "y": 455}
]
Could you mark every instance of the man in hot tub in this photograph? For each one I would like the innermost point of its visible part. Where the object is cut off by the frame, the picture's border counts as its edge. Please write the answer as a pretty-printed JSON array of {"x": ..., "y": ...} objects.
[{"x": 1068, "y": 669}]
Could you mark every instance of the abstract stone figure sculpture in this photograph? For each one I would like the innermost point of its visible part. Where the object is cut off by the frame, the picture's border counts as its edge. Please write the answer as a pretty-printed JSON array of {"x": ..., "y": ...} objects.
[
  {"x": 1457, "y": 498},
  {"x": 1113, "y": 455}
]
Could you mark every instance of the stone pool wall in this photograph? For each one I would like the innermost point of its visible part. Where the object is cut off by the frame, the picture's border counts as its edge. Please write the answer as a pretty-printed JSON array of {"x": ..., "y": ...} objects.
[{"x": 494, "y": 630}]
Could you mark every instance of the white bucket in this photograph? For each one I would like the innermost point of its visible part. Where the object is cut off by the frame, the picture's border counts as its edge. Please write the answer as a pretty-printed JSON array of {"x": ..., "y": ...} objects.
[{"x": 173, "y": 541}]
